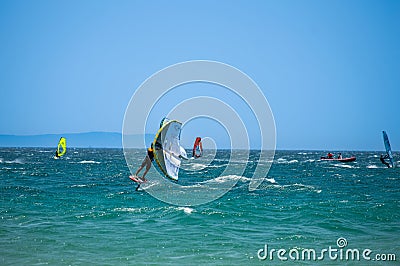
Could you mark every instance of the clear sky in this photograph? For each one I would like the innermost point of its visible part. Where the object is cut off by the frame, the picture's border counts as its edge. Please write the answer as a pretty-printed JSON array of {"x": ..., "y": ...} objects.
[{"x": 330, "y": 70}]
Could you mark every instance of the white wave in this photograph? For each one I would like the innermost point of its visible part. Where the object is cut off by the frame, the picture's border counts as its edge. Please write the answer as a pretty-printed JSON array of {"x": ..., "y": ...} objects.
[
  {"x": 271, "y": 180},
  {"x": 306, "y": 187},
  {"x": 1, "y": 160},
  {"x": 296, "y": 187},
  {"x": 18, "y": 161},
  {"x": 186, "y": 210},
  {"x": 127, "y": 209},
  {"x": 80, "y": 185},
  {"x": 223, "y": 179},
  {"x": 196, "y": 166},
  {"x": 282, "y": 160},
  {"x": 343, "y": 165},
  {"x": 238, "y": 161},
  {"x": 91, "y": 161},
  {"x": 148, "y": 184},
  {"x": 309, "y": 161},
  {"x": 372, "y": 166}
]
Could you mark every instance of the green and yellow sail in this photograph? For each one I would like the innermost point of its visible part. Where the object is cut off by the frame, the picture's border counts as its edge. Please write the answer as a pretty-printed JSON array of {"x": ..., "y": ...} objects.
[{"x": 62, "y": 147}]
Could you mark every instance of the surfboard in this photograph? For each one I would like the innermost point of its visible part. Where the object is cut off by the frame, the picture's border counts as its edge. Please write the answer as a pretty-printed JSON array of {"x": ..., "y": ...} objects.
[{"x": 136, "y": 179}]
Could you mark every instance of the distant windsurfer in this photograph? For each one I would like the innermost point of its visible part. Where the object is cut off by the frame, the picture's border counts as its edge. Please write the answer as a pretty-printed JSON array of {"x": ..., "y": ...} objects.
[
  {"x": 146, "y": 163},
  {"x": 198, "y": 145},
  {"x": 382, "y": 158},
  {"x": 61, "y": 148}
]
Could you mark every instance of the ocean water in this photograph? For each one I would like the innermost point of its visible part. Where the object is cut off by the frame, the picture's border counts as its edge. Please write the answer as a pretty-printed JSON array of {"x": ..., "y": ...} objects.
[{"x": 83, "y": 210}]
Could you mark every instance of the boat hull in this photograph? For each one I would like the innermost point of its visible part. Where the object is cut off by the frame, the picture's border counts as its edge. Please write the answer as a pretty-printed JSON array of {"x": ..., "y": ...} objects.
[{"x": 344, "y": 160}]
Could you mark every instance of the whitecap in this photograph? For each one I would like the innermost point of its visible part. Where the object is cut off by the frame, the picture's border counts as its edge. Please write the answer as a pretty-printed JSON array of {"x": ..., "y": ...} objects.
[
  {"x": 186, "y": 210},
  {"x": 300, "y": 186},
  {"x": 372, "y": 166},
  {"x": 197, "y": 166},
  {"x": 223, "y": 179},
  {"x": 126, "y": 209},
  {"x": 91, "y": 161},
  {"x": 271, "y": 180},
  {"x": 79, "y": 186},
  {"x": 344, "y": 165},
  {"x": 18, "y": 161}
]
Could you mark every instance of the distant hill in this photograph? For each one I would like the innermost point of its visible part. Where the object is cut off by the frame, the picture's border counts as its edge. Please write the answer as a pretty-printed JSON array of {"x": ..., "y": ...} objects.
[{"x": 76, "y": 140}]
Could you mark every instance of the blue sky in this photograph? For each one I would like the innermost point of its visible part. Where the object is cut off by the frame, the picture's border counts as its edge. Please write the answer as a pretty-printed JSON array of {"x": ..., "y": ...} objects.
[{"x": 330, "y": 70}]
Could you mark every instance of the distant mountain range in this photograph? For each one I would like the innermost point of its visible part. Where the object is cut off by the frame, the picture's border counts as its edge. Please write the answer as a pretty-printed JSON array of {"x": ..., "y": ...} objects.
[{"x": 76, "y": 140}]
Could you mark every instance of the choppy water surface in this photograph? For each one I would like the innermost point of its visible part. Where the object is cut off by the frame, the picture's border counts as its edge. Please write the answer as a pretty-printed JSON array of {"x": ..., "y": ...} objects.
[{"x": 82, "y": 209}]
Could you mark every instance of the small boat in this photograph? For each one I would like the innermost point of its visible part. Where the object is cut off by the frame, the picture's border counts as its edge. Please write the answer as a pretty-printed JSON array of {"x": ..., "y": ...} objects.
[{"x": 344, "y": 160}]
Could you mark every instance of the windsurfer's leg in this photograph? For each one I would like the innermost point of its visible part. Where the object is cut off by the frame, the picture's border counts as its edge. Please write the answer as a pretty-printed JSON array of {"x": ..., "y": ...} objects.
[
  {"x": 144, "y": 163},
  {"x": 138, "y": 170},
  {"x": 148, "y": 166}
]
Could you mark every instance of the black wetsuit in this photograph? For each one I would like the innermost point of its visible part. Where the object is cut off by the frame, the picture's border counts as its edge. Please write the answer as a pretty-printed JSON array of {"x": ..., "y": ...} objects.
[{"x": 150, "y": 153}]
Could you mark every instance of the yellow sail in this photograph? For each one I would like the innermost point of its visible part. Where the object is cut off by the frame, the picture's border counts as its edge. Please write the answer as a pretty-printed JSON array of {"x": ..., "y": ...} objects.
[{"x": 62, "y": 147}]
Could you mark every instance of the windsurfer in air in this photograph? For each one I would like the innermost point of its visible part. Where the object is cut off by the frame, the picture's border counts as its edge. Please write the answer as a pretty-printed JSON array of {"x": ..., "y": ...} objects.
[
  {"x": 146, "y": 163},
  {"x": 382, "y": 158},
  {"x": 198, "y": 145}
]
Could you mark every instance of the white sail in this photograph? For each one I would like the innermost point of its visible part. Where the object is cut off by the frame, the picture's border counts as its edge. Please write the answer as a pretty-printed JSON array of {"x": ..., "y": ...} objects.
[{"x": 167, "y": 149}]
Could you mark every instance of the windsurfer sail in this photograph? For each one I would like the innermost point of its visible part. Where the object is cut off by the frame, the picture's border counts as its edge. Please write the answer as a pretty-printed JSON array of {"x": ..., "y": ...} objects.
[
  {"x": 197, "y": 148},
  {"x": 61, "y": 148},
  {"x": 167, "y": 150},
  {"x": 387, "y": 147}
]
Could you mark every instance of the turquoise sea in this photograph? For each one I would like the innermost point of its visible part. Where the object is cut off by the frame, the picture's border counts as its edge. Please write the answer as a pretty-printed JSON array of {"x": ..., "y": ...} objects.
[{"x": 83, "y": 210}]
